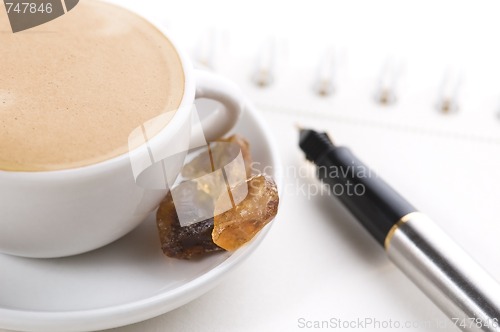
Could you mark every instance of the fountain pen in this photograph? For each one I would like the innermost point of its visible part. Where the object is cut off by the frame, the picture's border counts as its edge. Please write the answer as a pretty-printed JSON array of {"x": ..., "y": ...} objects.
[{"x": 456, "y": 284}]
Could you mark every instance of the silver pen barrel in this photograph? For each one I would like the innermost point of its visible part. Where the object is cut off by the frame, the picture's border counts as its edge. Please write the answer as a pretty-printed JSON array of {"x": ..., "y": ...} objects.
[{"x": 463, "y": 290}]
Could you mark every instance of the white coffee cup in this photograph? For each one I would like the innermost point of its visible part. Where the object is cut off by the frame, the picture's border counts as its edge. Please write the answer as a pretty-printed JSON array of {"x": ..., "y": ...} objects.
[{"x": 67, "y": 212}]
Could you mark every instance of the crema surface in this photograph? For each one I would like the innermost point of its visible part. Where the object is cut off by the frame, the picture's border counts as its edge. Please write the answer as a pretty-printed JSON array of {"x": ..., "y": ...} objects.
[{"x": 72, "y": 90}]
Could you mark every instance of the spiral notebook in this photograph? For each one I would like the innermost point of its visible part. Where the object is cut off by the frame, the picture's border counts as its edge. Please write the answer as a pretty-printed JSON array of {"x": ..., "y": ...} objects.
[
  {"x": 429, "y": 127},
  {"x": 435, "y": 146},
  {"x": 435, "y": 138}
]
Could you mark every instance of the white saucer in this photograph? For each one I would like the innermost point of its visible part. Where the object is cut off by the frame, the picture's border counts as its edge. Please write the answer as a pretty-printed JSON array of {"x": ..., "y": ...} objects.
[{"x": 124, "y": 283}]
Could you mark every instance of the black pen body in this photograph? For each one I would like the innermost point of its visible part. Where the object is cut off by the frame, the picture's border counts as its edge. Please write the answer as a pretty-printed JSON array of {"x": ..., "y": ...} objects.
[{"x": 367, "y": 196}]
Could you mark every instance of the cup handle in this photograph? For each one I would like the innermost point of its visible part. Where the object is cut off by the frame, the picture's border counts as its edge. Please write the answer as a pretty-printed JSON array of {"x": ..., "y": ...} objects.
[{"x": 215, "y": 87}]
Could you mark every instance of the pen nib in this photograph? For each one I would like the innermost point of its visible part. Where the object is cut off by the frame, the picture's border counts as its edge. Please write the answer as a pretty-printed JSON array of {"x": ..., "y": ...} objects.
[{"x": 313, "y": 143}]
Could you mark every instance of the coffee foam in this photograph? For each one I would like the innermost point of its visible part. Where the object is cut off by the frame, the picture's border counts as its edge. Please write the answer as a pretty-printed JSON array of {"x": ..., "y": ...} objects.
[{"x": 72, "y": 90}]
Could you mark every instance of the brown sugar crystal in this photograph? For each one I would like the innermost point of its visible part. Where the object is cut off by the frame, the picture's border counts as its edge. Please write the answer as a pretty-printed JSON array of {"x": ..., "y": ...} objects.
[
  {"x": 229, "y": 230},
  {"x": 239, "y": 225},
  {"x": 222, "y": 152},
  {"x": 184, "y": 242},
  {"x": 246, "y": 206}
]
